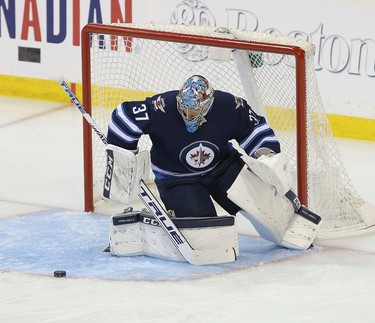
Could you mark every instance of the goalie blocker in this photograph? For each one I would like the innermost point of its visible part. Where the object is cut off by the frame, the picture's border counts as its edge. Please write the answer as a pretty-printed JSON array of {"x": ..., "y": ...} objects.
[
  {"x": 134, "y": 233},
  {"x": 124, "y": 171}
]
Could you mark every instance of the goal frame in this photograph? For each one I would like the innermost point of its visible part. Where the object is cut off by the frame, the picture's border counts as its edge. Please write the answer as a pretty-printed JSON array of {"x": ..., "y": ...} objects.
[{"x": 123, "y": 31}]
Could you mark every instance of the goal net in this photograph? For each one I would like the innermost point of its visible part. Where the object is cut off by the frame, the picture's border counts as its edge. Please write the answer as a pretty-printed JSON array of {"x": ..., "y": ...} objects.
[{"x": 275, "y": 74}]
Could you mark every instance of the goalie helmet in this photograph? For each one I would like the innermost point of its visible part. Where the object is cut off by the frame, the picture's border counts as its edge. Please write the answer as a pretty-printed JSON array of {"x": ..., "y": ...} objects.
[{"x": 194, "y": 100}]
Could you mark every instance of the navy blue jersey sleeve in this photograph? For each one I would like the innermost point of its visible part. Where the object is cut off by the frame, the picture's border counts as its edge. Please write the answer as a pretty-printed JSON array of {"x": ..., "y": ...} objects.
[
  {"x": 255, "y": 132},
  {"x": 128, "y": 122}
]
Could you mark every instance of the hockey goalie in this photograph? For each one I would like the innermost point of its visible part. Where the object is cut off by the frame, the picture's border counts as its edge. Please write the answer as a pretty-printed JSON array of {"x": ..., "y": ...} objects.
[{"x": 195, "y": 165}]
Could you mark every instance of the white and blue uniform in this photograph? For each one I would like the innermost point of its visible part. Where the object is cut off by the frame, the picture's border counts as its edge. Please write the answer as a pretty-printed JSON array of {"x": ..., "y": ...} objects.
[{"x": 180, "y": 156}]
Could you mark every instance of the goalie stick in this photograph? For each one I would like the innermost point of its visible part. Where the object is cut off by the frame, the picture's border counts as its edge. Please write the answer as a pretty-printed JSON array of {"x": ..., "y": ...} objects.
[
  {"x": 195, "y": 257},
  {"x": 83, "y": 111}
]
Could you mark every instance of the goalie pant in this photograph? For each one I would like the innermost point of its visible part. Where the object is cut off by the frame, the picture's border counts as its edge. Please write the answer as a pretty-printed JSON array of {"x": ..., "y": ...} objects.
[{"x": 135, "y": 233}]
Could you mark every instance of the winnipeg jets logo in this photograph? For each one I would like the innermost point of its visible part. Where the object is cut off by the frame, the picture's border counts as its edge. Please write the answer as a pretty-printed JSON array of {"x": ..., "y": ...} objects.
[
  {"x": 199, "y": 155},
  {"x": 159, "y": 104},
  {"x": 239, "y": 102}
]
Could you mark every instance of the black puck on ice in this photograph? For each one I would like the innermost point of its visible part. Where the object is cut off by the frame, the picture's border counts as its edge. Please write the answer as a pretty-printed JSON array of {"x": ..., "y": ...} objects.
[{"x": 59, "y": 273}]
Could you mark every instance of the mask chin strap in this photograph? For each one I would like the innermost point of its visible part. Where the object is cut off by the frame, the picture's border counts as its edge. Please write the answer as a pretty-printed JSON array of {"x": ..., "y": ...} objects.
[{"x": 192, "y": 126}]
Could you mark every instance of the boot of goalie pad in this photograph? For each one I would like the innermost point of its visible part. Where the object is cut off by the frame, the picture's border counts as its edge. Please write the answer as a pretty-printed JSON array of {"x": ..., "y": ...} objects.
[
  {"x": 125, "y": 234},
  {"x": 138, "y": 233},
  {"x": 271, "y": 214}
]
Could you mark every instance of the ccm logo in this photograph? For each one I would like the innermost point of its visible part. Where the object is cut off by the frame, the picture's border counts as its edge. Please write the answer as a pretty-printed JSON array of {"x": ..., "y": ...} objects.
[
  {"x": 151, "y": 222},
  {"x": 108, "y": 174},
  {"x": 297, "y": 203}
]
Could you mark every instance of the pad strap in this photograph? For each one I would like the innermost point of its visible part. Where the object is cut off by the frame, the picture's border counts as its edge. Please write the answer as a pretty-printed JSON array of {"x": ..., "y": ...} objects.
[
  {"x": 300, "y": 209},
  {"x": 293, "y": 198}
]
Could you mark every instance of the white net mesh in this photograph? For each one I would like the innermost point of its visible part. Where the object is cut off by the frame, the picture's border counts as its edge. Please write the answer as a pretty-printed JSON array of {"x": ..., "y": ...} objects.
[{"x": 125, "y": 69}]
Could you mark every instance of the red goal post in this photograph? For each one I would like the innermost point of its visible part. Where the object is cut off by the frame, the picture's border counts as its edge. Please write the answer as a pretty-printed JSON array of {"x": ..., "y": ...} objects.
[{"x": 129, "y": 62}]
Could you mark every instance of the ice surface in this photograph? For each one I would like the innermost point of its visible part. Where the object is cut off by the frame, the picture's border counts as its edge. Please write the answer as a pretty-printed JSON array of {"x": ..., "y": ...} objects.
[
  {"x": 41, "y": 243},
  {"x": 41, "y": 202}
]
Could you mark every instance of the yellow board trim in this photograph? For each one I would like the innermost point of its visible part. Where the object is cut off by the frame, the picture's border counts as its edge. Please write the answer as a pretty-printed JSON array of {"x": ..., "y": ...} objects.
[
  {"x": 49, "y": 90},
  {"x": 26, "y": 87},
  {"x": 352, "y": 127}
]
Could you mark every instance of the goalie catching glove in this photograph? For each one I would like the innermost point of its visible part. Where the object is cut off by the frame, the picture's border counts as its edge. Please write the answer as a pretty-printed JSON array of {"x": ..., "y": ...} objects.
[{"x": 124, "y": 171}]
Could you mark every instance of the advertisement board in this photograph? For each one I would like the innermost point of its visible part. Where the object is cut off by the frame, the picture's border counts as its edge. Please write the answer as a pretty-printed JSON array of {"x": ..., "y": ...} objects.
[{"x": 41, "y": 39}]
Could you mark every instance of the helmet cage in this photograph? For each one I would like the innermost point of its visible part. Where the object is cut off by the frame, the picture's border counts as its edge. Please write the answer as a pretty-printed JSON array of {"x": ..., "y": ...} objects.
[{"x": 194, "y": 100}]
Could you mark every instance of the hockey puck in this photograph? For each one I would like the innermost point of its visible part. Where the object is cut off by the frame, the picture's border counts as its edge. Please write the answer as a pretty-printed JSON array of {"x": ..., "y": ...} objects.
[{"x": 59, "y": 273}]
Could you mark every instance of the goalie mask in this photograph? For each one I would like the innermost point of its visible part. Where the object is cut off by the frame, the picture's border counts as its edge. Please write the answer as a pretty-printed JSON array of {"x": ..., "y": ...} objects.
[{"x": 194, "y": 100}]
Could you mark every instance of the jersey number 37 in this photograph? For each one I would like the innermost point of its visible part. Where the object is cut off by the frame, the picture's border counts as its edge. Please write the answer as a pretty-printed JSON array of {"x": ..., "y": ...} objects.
[{"x": 142, "y": 111}]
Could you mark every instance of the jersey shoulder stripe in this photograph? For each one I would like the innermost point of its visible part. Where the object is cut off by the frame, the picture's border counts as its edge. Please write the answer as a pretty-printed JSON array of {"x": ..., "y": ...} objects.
[
  {"x": 126, "y": 120},
  {"x": 120, "y": 133},
  {"x": 268, "y": 141},
  {"x": 258, "y": 130}
]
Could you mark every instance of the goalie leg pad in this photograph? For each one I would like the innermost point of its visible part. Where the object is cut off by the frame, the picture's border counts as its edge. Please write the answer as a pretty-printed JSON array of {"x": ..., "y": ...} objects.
[
  {"x": 271, "y": 214},
  {"x": 273, "y": 170},
  {"x": 138, "y": 233},
  {"x": 300, "y": 233},
  {"x": 125, "y": 235}
]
